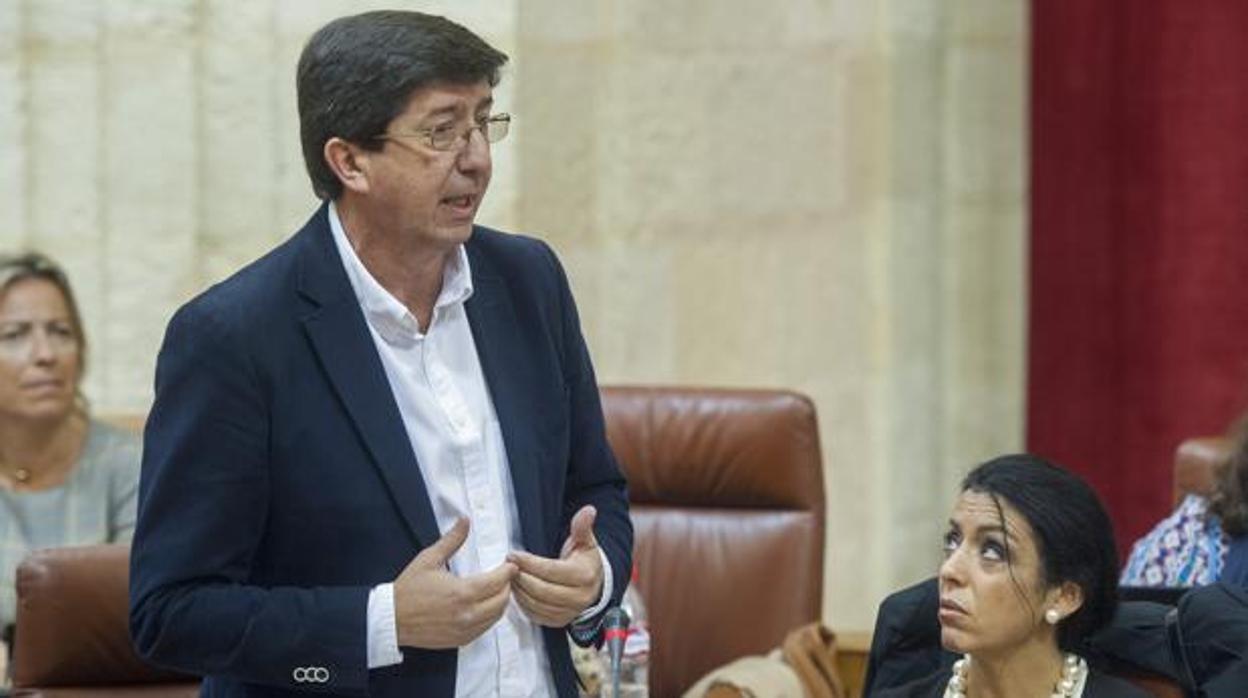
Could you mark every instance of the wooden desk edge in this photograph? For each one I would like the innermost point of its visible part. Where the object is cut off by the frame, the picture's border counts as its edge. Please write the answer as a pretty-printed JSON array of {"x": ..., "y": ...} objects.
[{"x": 852, "y": 650}]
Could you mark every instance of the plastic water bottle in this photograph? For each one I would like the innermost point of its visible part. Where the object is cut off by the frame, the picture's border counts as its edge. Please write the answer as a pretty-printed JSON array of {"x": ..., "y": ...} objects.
[{"x": 635, "y": 662}]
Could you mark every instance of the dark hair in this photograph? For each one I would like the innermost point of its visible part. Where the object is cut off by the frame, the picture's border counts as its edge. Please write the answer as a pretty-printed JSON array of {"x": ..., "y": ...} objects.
[
  {"x": 357, "y": 73},
  {"x": 1073, "y": 534},
  {"x": 33, "y": 265},
  {"x": 1229, "y": 501}
]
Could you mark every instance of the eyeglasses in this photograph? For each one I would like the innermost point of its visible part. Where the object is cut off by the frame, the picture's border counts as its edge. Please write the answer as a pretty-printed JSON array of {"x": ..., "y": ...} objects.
[{"x": 449, "y": 137}]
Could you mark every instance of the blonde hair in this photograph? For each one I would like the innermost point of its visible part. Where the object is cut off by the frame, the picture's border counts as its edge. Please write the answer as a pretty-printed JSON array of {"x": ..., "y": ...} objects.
[{"x": 35, "y": 265}]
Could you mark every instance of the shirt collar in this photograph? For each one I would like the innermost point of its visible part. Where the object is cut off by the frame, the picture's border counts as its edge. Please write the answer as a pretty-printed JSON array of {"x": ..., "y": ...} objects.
[{"x": 392, "y": 320}]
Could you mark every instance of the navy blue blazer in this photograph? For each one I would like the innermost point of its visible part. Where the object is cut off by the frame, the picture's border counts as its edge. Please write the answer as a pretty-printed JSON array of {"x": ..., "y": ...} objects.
[{"x": 279, "y": 485}]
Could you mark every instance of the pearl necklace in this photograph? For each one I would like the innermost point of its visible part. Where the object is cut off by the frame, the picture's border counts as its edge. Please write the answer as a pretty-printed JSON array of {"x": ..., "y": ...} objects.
[{"x": 1073, "y": 670}]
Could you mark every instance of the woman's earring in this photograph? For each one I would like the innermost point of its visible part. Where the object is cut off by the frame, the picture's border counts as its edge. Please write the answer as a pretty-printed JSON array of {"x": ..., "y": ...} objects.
[{"x": 1052, "y": 616}]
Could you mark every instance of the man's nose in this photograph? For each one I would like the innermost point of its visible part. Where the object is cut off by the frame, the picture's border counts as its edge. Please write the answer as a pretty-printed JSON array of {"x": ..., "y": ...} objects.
[{"x": 475, "y": 154}]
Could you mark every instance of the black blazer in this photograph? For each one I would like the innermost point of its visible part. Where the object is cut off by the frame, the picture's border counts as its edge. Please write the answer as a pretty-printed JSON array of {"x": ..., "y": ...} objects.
[
  {"x": 279, "y": 485},
  {"x": 905, "y": 646}
]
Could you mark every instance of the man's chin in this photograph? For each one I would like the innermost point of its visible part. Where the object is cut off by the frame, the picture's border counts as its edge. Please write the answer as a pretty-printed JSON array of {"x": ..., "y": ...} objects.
[{"x": 455, "y": 231}]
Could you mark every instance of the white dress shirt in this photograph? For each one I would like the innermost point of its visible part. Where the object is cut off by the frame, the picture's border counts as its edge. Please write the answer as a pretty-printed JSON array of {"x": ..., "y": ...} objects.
[{"x": 446, "y": 409}]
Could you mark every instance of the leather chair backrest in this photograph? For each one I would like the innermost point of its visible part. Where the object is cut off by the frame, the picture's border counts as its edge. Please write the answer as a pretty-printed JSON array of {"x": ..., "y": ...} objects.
[
  {"x": 72, "y": 636},
  {"x": 1196, "y": 462},
  {"x": 728, "y": 504}
]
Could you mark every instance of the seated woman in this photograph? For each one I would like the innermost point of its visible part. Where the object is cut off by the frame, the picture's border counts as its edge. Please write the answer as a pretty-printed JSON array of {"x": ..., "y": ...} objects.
[
  {"x": 1205, "y": 540},
  {"x": 1030, "y": 571},
  {"x": 65, "y": 479}
]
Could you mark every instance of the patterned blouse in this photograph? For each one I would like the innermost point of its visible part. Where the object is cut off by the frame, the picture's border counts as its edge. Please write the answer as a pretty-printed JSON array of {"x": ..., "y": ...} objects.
[
  {"x": 96, "y": 504},
  {"x": 1187, "y": 548}
]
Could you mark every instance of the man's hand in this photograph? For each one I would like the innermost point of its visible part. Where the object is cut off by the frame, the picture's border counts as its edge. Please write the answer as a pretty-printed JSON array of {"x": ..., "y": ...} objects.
[
  {"x": 434, "y": 609},
  {"x": 554, "y": 592}
]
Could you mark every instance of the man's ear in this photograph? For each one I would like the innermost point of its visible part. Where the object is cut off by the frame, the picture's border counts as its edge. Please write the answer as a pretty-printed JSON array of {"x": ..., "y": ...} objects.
[{"x": 349, "y": 162}]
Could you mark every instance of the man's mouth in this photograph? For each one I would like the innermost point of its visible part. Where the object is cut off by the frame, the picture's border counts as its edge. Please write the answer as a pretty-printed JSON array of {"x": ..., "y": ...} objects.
[
  {"x": 461, "y": 202},
  {"x": 42, "y": 385}
]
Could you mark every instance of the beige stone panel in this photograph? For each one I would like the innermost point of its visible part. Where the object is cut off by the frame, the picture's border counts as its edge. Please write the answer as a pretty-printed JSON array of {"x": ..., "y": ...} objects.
[
  {"x": 557, "y": 129},
  {"x": 62, "y": 72},
  {"x": 808, "y": 194},
  {"x": 237, "y": 119},
  {"x": 916, "y": 91},
  {"x": 987, "y": 122},
  {"x": 910, "y": 384},
  {"x": 903, "y": 21},
  {"x": 64, "y": 201},
  {"x": 799, "y": 312},
  {"x": 727, "y": 25},
  {"x": 985, "y": 353},
  {"x": 12, "y": 126},
  {"x": 702, "y": 139},
  {"x": 554, "y": 22},
  {"x": 990, "y": 19},
  {"x": 830, "y": 242},
  {"x": 693, "y": 25},
  {"x": 293, "y": 24},
  {"x": 652, "y": 181},
  {"x": 770, "y": 312},
  {"x": 737, "y": 320},
  {"x": 625, "y": 295},
  {"x": 862, "y": 109},
  {"x": 819, "y": 21},
  {"x": 493, "y": 21},
  {"x": 150, "y": 171}
]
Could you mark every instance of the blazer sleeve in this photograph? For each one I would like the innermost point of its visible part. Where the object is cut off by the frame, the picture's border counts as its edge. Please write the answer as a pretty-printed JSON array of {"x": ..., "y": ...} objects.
[
  {"x": 905, "y": 645},
  {"x": 594, "y": 476},
  {"x": 201, "y": 519}
]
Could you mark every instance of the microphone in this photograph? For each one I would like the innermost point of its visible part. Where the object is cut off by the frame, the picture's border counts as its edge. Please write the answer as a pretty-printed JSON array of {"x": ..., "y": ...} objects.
[{"x": 615, "y": 627}]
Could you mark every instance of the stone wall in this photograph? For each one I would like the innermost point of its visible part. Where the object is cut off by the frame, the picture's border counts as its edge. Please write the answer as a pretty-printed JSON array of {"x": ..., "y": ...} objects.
[{"x": 813, "y": 194}]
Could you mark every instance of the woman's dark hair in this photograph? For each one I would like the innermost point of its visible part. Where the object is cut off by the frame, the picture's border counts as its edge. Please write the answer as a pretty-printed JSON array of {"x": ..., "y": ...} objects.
[
  {"x": 1073, "y": 534},
  {"x": 357, "y": 73},
  {"x": 1229, "y": 500}
]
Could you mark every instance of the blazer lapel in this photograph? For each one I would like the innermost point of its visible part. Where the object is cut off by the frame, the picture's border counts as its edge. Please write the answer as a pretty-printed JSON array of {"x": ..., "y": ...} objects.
[
  {"x": 339, "y": 335},
  {"x": 494, "y": 330}
]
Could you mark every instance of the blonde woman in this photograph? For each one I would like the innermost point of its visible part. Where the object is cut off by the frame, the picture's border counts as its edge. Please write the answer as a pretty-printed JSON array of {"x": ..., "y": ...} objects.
[{"x": 65, "y": 479}]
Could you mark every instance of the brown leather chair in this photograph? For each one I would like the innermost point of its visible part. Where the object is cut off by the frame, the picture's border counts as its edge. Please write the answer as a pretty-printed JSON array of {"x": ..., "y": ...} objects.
[
  {"x": 728, "y": 504},
  {"x": 1196, "y": 461},
  {"x": 72, "y": 638}
]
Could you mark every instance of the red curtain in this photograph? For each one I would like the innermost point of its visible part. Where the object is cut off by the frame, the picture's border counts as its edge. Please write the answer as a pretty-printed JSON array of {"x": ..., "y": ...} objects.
[{"x": 1138, "y": 331}]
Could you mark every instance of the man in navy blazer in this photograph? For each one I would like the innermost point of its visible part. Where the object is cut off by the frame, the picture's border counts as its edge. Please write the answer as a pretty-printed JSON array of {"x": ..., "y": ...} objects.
[{"x": 376, "y": 463}]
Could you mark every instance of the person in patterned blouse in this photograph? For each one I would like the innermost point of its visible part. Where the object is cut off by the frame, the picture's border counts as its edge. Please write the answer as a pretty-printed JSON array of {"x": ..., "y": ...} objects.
[{"x": 1205, "y": 540}]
